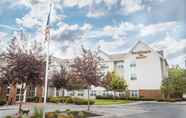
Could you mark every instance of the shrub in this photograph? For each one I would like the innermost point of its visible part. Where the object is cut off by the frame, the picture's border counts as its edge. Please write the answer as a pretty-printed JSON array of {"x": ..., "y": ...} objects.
[
  {"x": 80, "y": 101},
  {"x": 33, "y": 99},
  {"x": 38, "y": 113},
  {"x": 169, "y": 100},
  {"x": 8, "y": 117},
  {"x": 70, "y": 100},
  {"x": 126, "y": 98},
  {"x": 2, "y": 100},
  {"x": 104, "y": 97},
  {"x": 55, "y": 99}
]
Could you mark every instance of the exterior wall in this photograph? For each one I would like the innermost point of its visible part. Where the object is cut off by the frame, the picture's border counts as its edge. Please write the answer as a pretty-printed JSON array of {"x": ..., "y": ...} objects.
[
  {"x": 156, "y": 94},
  {"x": 149, "y": 75},
  {"x": 148, "y": 72},
  {"x": 184, "y": 95}
]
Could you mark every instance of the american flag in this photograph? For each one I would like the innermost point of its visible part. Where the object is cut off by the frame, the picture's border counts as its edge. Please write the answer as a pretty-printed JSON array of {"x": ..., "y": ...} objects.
[
  {"x": 47, "y": 29},
  {"x": 92, "y": 7}
]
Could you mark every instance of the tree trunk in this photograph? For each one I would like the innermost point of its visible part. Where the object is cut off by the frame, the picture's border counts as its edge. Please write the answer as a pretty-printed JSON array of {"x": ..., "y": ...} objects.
[
  {"x": 12, "y": 94},
  {"x": 63, "y": 92},
  {"x": 88, "y": 98},
  {"x": 39, "y": 93},
  {"x": 21, "y": 102}
]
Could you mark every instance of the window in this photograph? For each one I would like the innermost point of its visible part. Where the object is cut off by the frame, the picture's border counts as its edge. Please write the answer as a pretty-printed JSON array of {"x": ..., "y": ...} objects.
[
  {"x": 18, "y": 91},
  {"x": 93, "y": 93},
  {"x": 71, "y": 93},
  {"x": 31, "y": 91},
  {"x": 104, "y": 66},
  {"x": 134, "y": 93},
  {"x": 80, "y": 93},
  {"x": 119, "y": 64},
  {"x": 57, "y": 92},
  {"x": 133, "y": 71},
  {"x": 7, "y": 90}
]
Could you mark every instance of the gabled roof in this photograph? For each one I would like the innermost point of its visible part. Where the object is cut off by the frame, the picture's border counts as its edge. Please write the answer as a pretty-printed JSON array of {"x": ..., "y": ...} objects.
[
  {"x": 137, "y": 47},
  {"x": 119, "y": 56},
  {"x": 141, "y": 46}
]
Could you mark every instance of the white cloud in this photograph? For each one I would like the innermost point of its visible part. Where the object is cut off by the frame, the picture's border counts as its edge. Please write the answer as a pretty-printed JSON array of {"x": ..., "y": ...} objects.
[
  {"x": 2, "y": 36},
  {"x": 174, "y": 49},
  {"x": 37, "y": 16},
  {"x": 157, "y": 28},
  {"x": 131, "y": 6},
  {"x": 109, "y": 3},
  {"x": 95, "y": 14},
  {"x": 109, "y": 46},
  {"x": 121, "y": 30},
  {"x": 67, "y": 40}
]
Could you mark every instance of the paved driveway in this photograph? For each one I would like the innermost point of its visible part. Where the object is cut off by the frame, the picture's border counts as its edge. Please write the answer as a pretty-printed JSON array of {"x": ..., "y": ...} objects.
[{"x": 133, "y": 110}]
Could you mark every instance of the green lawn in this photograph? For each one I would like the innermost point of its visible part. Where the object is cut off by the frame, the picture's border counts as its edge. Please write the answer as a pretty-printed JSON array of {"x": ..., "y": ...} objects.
[{"x": 110, "y": 102}]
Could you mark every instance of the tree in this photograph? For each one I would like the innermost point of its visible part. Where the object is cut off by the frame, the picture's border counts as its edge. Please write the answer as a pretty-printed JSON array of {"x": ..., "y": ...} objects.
[
  {"x": 25, "y": 66},
  {"x": 65, "y": 80},
  {"x": 87, "y": 68},
  {"x": 107, "y": 81},
  {"x": 75, "y": 84},
  {"x": 60, "y": 78},
  {"x": 117, "y": 84},
  {"x": 175, "y": 85}
]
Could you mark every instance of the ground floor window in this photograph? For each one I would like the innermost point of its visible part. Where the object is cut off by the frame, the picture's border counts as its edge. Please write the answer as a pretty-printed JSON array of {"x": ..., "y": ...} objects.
[
  {"x": 93, "y": 93},
  {"x": 134, "y": 93},
  {"x": 57, "y": 92},
  {"x": 71, "y": 93},
  {"x": 31, "y": 91},
  {"x": 80, "y": 93}
]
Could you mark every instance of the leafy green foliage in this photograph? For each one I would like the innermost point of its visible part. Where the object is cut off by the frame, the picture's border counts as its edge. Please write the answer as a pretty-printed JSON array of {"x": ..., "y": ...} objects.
[
  {"x": 2, "y": 100},
  {"x": 80, "y": 101},
  {"x": 175, "y": 85},
  {"x": 38, "y": 113},
  {"x": 118, "y": 84},
  {"x": 70, "y": 100}
]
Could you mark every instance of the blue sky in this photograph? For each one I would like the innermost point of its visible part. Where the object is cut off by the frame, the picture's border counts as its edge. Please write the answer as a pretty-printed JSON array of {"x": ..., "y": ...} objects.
[{"x": 113, "y": 25}]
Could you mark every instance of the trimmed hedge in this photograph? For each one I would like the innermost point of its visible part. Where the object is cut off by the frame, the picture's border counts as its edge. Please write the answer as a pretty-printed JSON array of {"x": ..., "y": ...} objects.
[
  {"x": 33, "y": 99},
  {"x": 142, "y": 99},
  {"x": 126, "y": 98},
  {"x": 70, "y": 100},
  {"x": 170, "y": 100},
  {"x": 80, "y": 101},
  {"x": 2, "y": 101}
]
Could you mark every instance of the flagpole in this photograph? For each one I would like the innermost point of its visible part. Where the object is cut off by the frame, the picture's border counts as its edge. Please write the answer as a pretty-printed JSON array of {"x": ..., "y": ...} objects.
[
  {"x": 47, "y": 39},
  {"x": 47, "y": 66}
]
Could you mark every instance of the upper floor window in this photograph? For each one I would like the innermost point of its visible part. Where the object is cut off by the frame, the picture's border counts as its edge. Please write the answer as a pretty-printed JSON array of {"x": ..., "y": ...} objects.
[
  {"x": 119, "y": 64},
  {"x": 133, "y": 71},
  {"x": 104, "y": 66}
]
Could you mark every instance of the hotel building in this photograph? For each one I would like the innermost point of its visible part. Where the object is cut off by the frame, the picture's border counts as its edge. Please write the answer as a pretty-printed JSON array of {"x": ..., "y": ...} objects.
[{"x": 142, "y": 67}]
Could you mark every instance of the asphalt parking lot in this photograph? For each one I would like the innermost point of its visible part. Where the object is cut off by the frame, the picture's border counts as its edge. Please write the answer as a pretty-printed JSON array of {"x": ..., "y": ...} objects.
[{"x": 133, "y": 110}]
